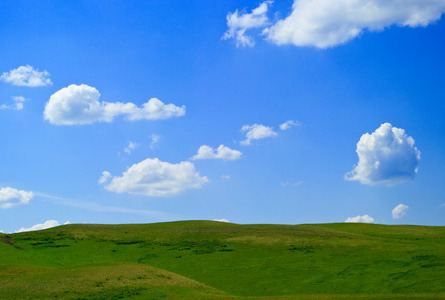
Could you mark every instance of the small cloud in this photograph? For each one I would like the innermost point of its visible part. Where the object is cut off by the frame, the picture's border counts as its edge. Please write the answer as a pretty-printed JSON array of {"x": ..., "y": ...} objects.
[
  {"x": 222, "y": 220},
  {"x": 360, "y": 219},
  {"x": 79, "y": 105},
  {"x": 387, "y": 156},
  {"x": 256, "y": 132},
  {"x": 18, "y": 103},
  {"x": 442, "y": 205},
  {"x": 10, "y": 197},
  {"x": 105, "y": 176},
  {"x": 238, "y": 23},
  {"x": 225, "y": 177},
  {"x": 154, "y": 140},
  {"x": 222, "y": 152},
  {"x": 67, "y": 222},
  {"x": 26, "y": 76},
  {"x": 155, "y": 178},
  {"x": 131, "y": 146},
  {"x": 46, "y": 225},
  {"x": 293, "y": 183},
  {"x": 399, "y": 211},
  {"x": 288, "y": 124}
]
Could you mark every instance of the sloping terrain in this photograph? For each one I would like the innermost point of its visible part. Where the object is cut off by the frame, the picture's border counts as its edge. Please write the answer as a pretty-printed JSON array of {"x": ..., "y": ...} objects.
[{"x": 214, "y": 260}]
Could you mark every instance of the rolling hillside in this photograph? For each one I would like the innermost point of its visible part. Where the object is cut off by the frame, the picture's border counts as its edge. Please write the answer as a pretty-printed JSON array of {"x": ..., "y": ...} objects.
[{"x": 214, "y": 260}]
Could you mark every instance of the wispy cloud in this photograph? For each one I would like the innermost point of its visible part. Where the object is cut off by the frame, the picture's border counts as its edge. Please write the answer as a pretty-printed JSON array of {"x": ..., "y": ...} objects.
[
  {"x": 17, "y": 105},
  {"x": 104, "y": 208}
]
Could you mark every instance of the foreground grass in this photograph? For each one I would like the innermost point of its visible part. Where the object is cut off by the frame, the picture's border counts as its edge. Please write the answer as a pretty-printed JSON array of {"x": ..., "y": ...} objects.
[{"x": 213, "y": 260}]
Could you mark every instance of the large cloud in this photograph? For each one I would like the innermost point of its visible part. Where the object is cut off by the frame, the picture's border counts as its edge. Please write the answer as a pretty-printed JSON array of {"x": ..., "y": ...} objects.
[
  {"x": 46, "y": 225},
  {"x": 156, "y": 178},
  {"x": 222, "y": 152},
  {"x": 387, "y": 156},
  {"x": 327, "y": 23},
  {"x": 26, "y": 76},
  {"x": 238, "y": 23},
  {"x": 360, "y": 219},
  {"x": 79, "y": 104},
  {"x": 399, "y": 211},
  {"x": 256, "y": 132},
  {"x": 10, "y": 197}
]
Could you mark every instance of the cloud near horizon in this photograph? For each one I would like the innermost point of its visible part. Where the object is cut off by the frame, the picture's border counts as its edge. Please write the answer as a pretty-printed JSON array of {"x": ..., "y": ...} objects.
[
  {"x": 79, "y": 105},
  {"x": 323, "y": 23},
  {"x": 387, "y": 156},
  {"x": 46, "y": 225},
  {"x": 155, "y": 178},
  {"x": 360, "y": 219},
  {"x": 10, "y": 197},
  {"x": 222, "y": 152},
  {"x": 26, "y": 76}
]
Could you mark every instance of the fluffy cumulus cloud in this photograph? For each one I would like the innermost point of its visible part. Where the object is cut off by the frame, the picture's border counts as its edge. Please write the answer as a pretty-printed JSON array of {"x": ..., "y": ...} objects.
[
  {"x": 46, "y": 225},
  {"x": 239, "y": 22},
  {"x": 387, "y": 156},
  {"x": 222, "y": 152},
  {"x": 10, "y": 197},
  {"x": 327, "y": 23},
  {"x": 399, "y": 211},
  {"x": 18, "y": 103},
  {"x": 79, "y": 104},
  {"x": 156, "y": 178},
  {"x": 360, "y": 219},
  {"x": 26, "y": 76},
  {"x": 256, "y": 132},
  {"x": 289, "y": 124}
]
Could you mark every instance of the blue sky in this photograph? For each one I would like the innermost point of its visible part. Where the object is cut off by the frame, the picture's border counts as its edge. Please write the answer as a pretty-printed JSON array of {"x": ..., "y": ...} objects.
[{"x": 152, "y": 111}]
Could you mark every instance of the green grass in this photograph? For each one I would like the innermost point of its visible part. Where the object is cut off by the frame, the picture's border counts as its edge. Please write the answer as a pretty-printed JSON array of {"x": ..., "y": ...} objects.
[{"x": 214, "y": 260}]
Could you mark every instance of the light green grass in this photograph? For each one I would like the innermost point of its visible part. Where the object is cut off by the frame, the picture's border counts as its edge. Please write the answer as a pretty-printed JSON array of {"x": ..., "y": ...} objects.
[{"x": 214, "y": 260}]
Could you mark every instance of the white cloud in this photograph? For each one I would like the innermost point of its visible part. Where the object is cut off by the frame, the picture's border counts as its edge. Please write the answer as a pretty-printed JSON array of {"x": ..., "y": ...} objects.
[
  {"x": 326, "y": 23},
  {"x": 221, "y": 220},
  {"x": 79, "y": 104},
  {"x": 154, "y": 140},
  {"x": 156, "y": 178},
  {"x": 222, "y": 152},
  {"x": 442, "y": 205},
  {"x": 131, "y": 146},
  {"x": 293, "y": 183},
  {"x": 288, "y": 124},
  {"x": 26, "y": 76},
  {"x": 360, "y": 219},
  {"x": 105, "y": 176},
  {"x": 225, "y": 177},
  {"x": 399, "y": 211},
  {"x": 256, "y": 132},
  {"x": 387, "y": 156},
  {"x": 10, "y": 197},
  {"x": 18, "y": 103},
  {"x": 238, "y": 23},
  {"x": 46, "y": 225}
]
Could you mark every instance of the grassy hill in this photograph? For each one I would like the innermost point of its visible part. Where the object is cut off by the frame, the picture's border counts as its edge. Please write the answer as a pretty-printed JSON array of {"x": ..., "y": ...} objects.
[{"x": 214, "y": 260}]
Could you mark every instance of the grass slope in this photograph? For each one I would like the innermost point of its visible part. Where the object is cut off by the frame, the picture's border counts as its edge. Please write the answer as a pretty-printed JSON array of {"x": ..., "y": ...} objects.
[{"x": 214, "y": 260}]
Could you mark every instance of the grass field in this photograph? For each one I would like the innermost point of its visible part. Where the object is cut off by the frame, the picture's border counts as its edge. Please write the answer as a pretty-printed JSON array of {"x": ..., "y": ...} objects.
[{"x": 215, "y": 260}]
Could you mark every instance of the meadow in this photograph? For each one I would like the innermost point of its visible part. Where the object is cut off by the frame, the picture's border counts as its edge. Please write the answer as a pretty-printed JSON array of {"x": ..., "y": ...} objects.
[{"x": 216, "y": 260}]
